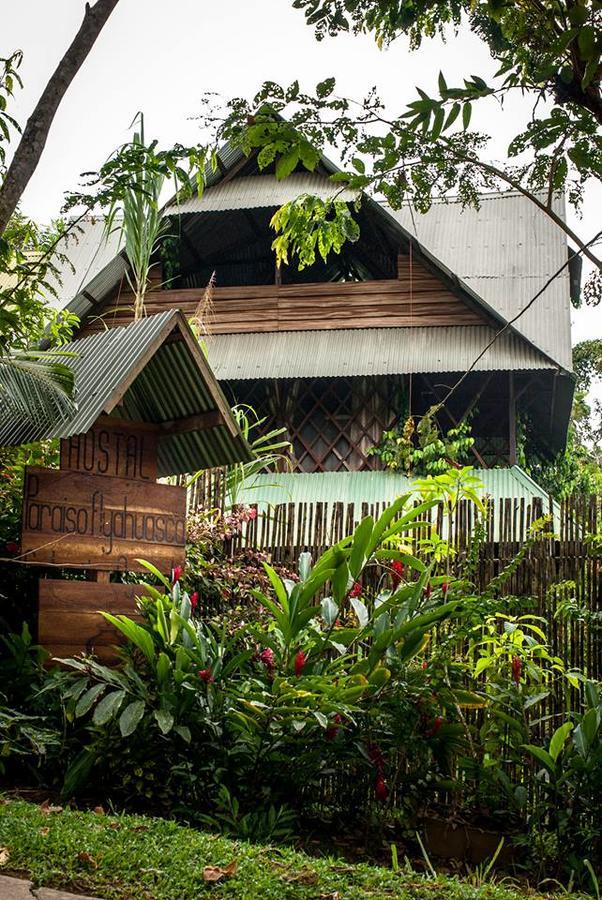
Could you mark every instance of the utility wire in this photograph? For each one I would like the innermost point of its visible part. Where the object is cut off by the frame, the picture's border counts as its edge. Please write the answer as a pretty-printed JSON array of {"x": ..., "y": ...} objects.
[{"x": 511, "y": 322}]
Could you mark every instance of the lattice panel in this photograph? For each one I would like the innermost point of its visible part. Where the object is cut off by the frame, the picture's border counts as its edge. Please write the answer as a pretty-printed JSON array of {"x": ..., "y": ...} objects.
[{"x": 331, "y": 422}]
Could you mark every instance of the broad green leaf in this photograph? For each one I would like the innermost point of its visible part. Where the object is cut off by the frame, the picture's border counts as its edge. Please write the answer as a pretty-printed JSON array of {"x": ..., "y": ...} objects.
[
  {"x": 587, "y": 41},
  {"x": 304, "y": 566},
  {"x": 134, "y": 633},
  {"x": 279, "y": 588},
  {"x": 361, "y": 540},
  {"x": 535, "y": 698},
  {"x": 340, "y": 581},
  {"x": 108, "y": 707},
  {"x": 153, "y": 569},
  {"x": 76, "y": 689},
  {"x": 287, "y": 163},
  {"x": 164, "y": 720},
  {"x": 466, "y": 114},
  {"x": 559, "y": 739},
  {"x": 131, "y": 716},
  {"x": 86, "y": 701},
  {"x": 483, "y": 663},
  {"x": 384, "y": 522},
  {"x": 469, "y": 699},
  {"x": 542, "y": 756},
  {"x": 163, "y": 668},
  {"x": 330, "y": 611},
  {"x": 590, "y": 724},
  {"x": 184, "y": 732},
  {"x": 360, "y": 610}
]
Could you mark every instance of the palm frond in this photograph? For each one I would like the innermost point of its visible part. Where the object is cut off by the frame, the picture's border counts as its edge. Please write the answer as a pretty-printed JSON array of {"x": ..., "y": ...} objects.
[{"x": 35, "y": 388}]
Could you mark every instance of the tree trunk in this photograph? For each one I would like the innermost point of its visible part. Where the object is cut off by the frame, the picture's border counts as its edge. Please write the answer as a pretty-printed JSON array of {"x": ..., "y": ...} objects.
[{"x": 33, "y": 139}]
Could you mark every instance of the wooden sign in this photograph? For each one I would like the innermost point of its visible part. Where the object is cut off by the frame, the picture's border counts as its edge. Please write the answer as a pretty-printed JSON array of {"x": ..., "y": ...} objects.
[
  {"x": 113, "y": 447},
  {"x": 102, "y": 522},
  {"x": 69, "y": 621}
]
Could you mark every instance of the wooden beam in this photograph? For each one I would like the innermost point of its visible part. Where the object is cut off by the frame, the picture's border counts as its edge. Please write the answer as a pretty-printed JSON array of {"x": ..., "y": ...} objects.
[{"x": 200, "y": 422}]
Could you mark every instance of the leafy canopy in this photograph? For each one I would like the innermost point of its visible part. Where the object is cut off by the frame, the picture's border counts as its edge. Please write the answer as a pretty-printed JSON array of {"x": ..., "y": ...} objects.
[{"x": 547, "y": 50}]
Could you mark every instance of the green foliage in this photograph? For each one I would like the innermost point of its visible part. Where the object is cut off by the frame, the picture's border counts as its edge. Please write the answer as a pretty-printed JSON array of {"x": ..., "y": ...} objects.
[
  {"x": 375, "y": 665},
  {"x": 587, "y": 363},
  {"x": 13, "y": 461},
  {"x": 546, "y": 52},
  {"x": 34, "y": 386},
  {"x": 569, "y": 775},
  {"x": 269, "y": 451},
  {"x": 137, "y": 216},
  {"x": 24, "y": 736},
  {"x": 575, "y": 470},
  {"x": 420, "y": 448},
  {"x": 9, "y": 80},
  {"x": 309, "y": 224}
]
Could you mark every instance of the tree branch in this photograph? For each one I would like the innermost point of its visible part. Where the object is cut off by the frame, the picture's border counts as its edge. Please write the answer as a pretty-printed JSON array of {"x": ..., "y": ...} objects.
[
  {"x": 33, "y": 140},
  {"x": 517, "y": 186}
]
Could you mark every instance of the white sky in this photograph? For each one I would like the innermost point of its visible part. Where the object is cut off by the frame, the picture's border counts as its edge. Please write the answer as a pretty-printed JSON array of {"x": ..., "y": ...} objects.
[{"x": 159, "y": 57}]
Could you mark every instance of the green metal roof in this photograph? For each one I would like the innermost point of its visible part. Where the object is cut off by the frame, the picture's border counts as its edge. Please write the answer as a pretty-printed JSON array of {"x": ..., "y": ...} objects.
[
  {"x": 356, "y": 488},
  {"x": 152, "y": 370}
]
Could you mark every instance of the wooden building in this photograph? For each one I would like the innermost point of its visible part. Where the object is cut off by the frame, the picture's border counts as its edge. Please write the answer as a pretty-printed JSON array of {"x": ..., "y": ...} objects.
[{"x": 338, "y": 352}]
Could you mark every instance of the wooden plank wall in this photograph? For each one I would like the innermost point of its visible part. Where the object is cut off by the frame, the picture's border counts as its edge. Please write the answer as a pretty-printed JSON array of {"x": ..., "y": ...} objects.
[
  {"x": 300, "y": 307},
  {"x": 69, "y": 609}
]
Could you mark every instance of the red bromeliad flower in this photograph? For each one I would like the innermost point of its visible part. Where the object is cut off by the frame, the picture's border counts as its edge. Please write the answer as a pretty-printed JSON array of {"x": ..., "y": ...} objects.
[
  {"x": 194, "y": 600},
  {"x": 356, "y": 590},
  {"x": 267, "y": 658},
  {"x": 445, "y": 588},
  {"x": 380, "y": 789},
  {"x": 299, "y": 663},
  {"x": 177, "y": 574},
  {"x": 437, "y": 723},
  {"x": 517, "y": 669},
  {"x": 424, "y": 664},
  {"x": 333, "y": 730},
  {"x": 206, "y": 675},
  {"x": 376, "y": 757},
  {"x": 397, "y": 573}
]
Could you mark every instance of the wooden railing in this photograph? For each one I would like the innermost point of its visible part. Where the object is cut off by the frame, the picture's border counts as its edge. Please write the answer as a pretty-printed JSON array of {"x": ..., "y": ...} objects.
[{"x": 389, "y": 303}]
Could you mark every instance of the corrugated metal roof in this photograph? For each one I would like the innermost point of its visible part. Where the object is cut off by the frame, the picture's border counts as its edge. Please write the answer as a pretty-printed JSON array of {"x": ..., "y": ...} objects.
[
  {"x": 497, "y": 256},
  {"x": 329, "y": 488},
  {"x": 89, "y": 251},
  {"x": 254, "y": 191},
  {"x": 367, "y": 351},
  {"x": 505, "y": 251},
  {"x": 155, "y": 382}
]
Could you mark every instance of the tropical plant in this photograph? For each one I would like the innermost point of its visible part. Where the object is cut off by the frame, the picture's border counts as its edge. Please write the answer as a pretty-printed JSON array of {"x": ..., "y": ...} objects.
[
  {"x": 253, "y": 698},
  {"x": 520, "y": 674},
  {"x": 569, "y": 778},
  {"x": 154, "y": 695},
  {"x": 138, "y": 219},
  {"x": 421, "y": 448},
  {"x": 35, "y": 386},
  {"x": 270, "y": 452}
]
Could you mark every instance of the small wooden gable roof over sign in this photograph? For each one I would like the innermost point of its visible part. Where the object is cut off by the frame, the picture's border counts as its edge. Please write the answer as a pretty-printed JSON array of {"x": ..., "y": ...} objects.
[{"x": 152, "y": 371}]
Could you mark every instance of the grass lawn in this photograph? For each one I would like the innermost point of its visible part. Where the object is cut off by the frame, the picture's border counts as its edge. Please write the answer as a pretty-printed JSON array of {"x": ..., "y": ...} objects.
[{"x": 137, "y": 857}]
